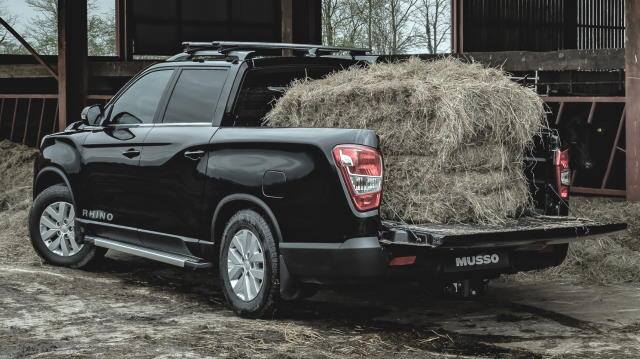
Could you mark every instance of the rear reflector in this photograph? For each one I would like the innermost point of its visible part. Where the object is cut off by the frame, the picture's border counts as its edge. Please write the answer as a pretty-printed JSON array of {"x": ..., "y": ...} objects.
[
  {"x": 402, "y": 261},
  {"x": 361, "y": 170}
]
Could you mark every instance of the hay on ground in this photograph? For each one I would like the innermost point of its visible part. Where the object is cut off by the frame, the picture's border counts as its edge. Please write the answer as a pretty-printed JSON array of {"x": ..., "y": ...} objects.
[
  {"x": 16, "y": 175},
  {"x": 453, "y": 134}
]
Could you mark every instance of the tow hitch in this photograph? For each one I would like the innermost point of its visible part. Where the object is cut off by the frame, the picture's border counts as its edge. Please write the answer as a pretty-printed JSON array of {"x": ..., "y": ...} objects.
[{"x": 466, "y": 288}]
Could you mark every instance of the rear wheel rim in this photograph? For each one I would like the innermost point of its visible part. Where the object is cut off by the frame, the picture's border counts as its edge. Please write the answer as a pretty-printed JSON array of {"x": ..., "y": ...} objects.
[
  {"x": 57, "y": 229},
  {"x": 245, "y": 265}
]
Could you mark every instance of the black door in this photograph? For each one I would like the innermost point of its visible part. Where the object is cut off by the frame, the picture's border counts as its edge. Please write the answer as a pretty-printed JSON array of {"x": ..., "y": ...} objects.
[
  {"x": 111, "y": 180},
  {"x": 174, "y": 162}
]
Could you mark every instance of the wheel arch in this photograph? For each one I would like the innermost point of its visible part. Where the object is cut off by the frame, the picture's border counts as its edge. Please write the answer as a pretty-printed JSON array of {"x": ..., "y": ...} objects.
[
  {"x": 234, "y": 202},
  {"x": 48, "y": 177}
]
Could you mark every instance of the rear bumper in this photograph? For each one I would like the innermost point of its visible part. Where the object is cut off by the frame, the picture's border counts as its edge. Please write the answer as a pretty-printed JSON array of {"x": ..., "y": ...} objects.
[
  {"x": 362, "y": 260},
  {"x": 355, "y": 260},
  {"x": 365, "y": 259}
]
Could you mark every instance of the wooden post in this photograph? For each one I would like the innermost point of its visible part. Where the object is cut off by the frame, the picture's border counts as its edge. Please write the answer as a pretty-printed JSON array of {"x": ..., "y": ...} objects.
[
  {"x": 123, "y": 41},
  {"x": 287, "y": 20},
  {"x": 455, "y": 27},
  {"x": 72, "y": 60},
  {"x": 632, "y": 73}
]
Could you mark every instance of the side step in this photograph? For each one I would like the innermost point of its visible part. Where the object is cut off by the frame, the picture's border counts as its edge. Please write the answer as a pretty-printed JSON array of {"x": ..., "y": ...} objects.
[{"x": 156, "y": 255}]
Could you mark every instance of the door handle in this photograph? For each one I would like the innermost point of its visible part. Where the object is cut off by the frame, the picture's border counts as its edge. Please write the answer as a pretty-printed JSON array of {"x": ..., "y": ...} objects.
[
  {"x": 194, "y": 155},
  {"x": 131, "y": 153}
]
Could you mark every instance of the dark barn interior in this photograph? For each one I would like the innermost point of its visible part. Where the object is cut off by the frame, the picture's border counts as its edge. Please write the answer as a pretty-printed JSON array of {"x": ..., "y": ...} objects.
[{"x": 572, "y": 51}]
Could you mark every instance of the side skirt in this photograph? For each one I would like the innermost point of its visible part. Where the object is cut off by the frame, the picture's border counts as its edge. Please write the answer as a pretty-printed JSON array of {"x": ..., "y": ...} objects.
[{"x": 156, "y": 255}]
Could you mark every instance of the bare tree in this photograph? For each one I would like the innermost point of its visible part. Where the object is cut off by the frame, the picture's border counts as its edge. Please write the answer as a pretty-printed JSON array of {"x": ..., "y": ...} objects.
[
  {"x": 434, "y": 22},
  {"x": 42, "y": 32},
  {"x": 8, "y": 44},
  {"x": 388, "y": 26},
  {"x": 335, "y": 14},
  {"x": 43, "y": 29},
  {"x": 369, "y": 13},
  {"x": 400, "y": 32}
]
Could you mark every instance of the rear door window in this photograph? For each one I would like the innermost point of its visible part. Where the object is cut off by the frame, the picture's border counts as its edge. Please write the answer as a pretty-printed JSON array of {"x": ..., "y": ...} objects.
[{"x": 195, "y": 96}]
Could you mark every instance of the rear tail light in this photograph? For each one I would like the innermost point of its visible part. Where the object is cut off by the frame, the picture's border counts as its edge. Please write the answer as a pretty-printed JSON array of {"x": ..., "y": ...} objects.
[
  {"x": 361, "y": 170},
  {"x": 563, "y": 173}
]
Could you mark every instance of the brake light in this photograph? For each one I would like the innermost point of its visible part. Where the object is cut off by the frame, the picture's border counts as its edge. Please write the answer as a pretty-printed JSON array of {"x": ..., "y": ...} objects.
[
  {"x": 563, "y": 173},
  {"x": 361, "y": 170}
]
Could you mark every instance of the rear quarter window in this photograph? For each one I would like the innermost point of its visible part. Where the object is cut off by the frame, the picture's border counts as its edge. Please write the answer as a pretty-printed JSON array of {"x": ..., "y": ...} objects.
[{"x": 195, "y": 96}]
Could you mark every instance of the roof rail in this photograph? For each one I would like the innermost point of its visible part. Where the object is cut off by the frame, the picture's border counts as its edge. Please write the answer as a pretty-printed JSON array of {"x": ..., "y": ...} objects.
[{"x": 224, "y": 47}]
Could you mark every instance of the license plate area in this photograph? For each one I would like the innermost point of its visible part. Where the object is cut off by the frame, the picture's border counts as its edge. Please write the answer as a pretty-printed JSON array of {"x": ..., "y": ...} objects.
[{"x": 477, "y": 261}]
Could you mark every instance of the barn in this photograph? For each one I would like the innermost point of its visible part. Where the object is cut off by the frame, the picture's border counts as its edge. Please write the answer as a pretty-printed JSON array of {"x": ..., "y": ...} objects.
[{"x": 580, "y": 55}]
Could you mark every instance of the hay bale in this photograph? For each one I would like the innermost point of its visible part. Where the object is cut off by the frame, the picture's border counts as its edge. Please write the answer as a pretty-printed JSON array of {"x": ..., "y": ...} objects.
[
  {"x": 16, "y": 175},
  {"x": 453, "y": 134}
]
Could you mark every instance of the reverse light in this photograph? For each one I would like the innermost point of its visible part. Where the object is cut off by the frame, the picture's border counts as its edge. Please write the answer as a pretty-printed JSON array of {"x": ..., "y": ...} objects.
[
  {"x": 563, "y": 173},
  {"x": 361, "y": 170}
]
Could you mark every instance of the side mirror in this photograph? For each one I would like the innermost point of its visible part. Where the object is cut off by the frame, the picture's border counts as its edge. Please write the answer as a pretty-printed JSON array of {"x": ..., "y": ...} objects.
[{"x": 92, "y": 115}]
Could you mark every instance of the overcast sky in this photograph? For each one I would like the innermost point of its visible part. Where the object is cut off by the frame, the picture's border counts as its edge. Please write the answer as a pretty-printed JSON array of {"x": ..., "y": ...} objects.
[{"x": 23, "y": 12}]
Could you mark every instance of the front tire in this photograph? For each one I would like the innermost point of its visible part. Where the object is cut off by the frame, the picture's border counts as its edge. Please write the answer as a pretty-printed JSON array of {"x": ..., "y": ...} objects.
[
  {"x": 52, "y": 230},
  {"x": 249, "y": 268}
]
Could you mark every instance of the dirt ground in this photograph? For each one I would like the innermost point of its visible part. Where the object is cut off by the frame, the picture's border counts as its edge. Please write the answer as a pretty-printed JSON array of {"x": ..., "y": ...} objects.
[
  {"x": 131, "y": 307},
  {"x": 135, "y": 308}
]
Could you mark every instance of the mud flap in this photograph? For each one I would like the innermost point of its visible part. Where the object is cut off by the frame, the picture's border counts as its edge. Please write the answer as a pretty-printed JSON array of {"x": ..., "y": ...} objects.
[{"x": 288, "y": 288}]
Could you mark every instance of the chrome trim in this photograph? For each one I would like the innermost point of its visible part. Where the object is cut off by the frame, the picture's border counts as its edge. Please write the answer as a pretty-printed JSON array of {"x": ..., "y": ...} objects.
[
  {"x": 133, "y": 229},
  {"x": 186, "y": 124}
]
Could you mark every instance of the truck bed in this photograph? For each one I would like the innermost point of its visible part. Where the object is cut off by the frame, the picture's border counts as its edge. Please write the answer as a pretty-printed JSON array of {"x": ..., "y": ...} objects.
[{"x": 525, "y": 231}]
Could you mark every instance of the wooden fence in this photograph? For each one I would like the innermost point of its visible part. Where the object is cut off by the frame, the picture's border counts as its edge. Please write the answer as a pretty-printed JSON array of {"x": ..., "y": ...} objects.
[{"x": 26, "y": 118}]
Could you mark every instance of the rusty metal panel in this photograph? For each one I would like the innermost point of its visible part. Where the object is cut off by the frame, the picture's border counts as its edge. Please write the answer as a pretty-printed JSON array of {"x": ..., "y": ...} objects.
[
  {"x": 600, "y": 24},
  {"x": 536, "y": 25}
]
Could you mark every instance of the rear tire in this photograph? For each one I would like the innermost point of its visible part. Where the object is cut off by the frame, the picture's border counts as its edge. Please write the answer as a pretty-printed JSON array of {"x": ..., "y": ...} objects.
[
  {"x": 248, "y": 265},
  {"x": 52, "y": 231}
]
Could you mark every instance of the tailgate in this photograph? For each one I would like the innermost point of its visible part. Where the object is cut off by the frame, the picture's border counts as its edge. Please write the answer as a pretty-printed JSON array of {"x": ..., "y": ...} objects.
[{"x": 526, "y": 231}]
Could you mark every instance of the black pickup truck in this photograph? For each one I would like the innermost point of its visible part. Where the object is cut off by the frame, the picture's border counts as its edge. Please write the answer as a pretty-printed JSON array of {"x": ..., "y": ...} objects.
[{"x": 178, "y": 168}]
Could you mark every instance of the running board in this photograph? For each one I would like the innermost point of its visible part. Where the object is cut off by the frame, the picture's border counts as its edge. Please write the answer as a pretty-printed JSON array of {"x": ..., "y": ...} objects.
[{"x": 156, "y": 255}]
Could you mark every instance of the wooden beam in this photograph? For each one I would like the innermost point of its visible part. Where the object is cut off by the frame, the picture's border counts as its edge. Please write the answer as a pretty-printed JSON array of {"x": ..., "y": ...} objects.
[
  {"x": 564, "y": 60},
  {"x": 592, "y": 112},
  {"x": 585, "y": 99},
  {"x": 72, "y": 60},
  {"x": 454, "y": 27},
  {"x": 614, "y": 149},
  {"x": 287, "y": 20},
  {"x": 560, "y": 112},
  {"x": 598, "y": 191},
  {"x": 26, "y": 123},
  {"x": 31, "y": 50},
  {"x": 44, "y": 103},
  {"x": 97, "y": 68},
  {"x": 632, "y": 73}
]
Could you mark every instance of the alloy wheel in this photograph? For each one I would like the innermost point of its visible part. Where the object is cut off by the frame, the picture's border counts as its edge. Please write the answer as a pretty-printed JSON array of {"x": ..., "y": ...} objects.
[
  {"x": 57, "y": 229},
  {"x": 245, "y": 265}
]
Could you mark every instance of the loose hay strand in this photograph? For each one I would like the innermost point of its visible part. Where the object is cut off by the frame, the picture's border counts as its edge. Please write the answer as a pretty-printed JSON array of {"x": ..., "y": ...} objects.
[{"x": 452, "y": 134}]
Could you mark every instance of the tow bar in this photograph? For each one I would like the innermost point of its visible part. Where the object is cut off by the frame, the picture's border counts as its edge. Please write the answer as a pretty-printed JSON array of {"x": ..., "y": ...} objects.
[{"x": 467, "y": 288}]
